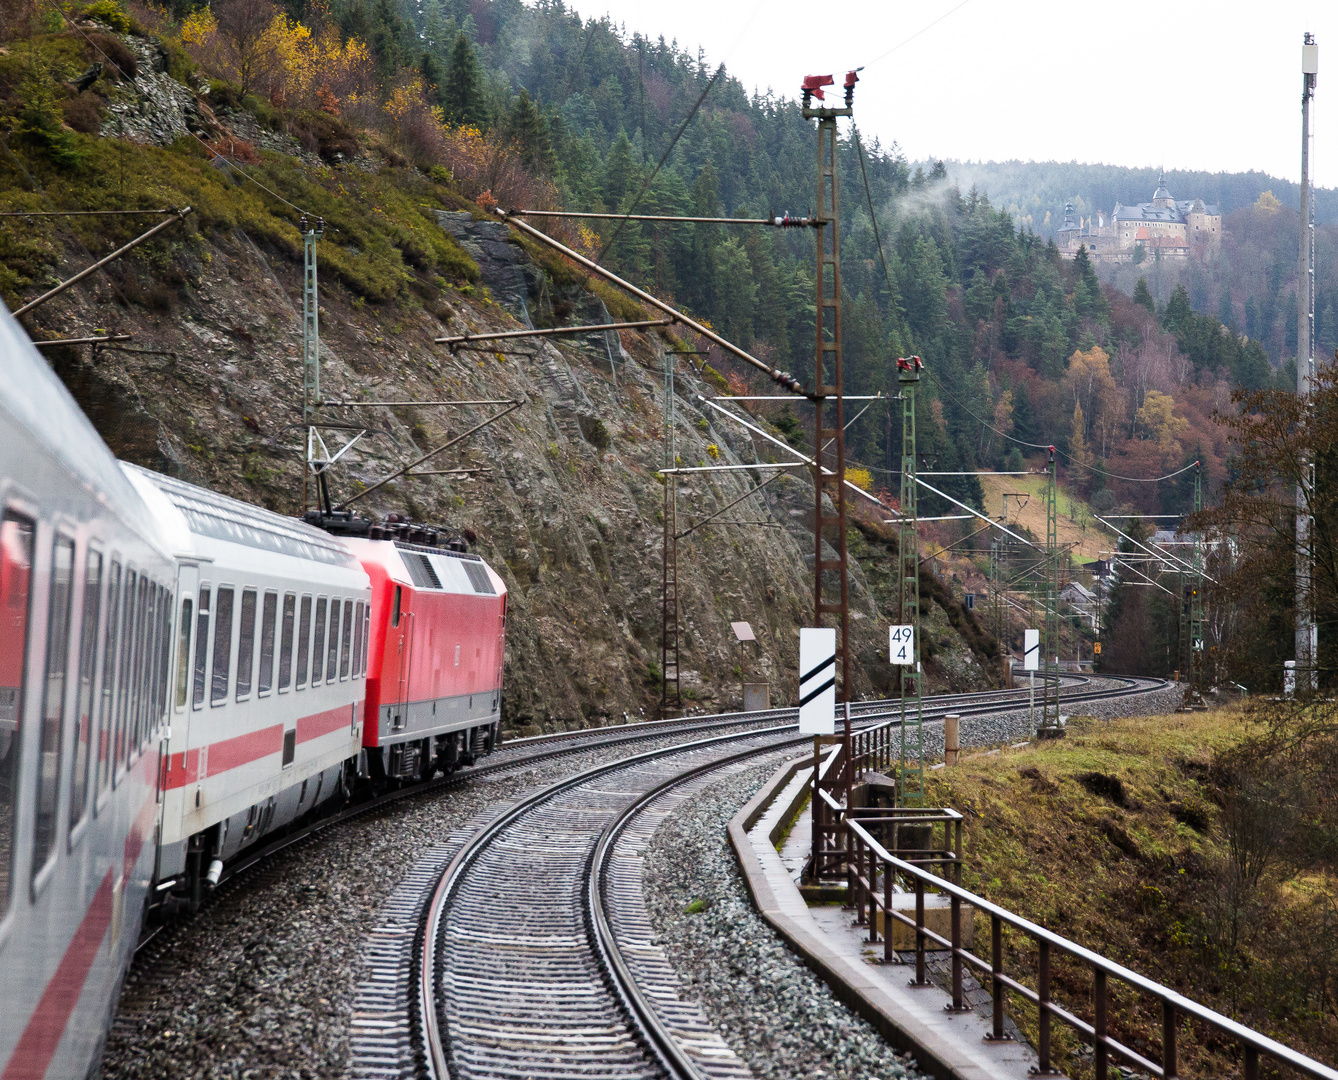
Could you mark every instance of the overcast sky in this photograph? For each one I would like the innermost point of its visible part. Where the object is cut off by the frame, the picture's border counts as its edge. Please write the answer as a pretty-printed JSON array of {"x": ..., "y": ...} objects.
[{"x": 1188, "y": 85}]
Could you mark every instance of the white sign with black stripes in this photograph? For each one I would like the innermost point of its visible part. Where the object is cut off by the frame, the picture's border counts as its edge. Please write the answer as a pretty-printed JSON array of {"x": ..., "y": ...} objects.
[
  {"x": 817, "y": 680},
  {"x": 1031, "y": 650}
]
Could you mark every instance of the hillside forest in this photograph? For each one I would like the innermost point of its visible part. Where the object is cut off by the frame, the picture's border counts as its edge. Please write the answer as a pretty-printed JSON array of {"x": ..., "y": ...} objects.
[{"x": 535, "y": 106}]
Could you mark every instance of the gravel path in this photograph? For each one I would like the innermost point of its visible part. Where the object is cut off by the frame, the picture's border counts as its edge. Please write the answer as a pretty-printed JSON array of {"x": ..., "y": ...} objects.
[
  {"x": 260, "y": 982},
  {"x": 772, "y": 1011}
]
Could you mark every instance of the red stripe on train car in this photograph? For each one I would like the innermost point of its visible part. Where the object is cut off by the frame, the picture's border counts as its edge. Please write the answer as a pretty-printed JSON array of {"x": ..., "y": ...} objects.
[
  {"x": 37, "y": 1045},
  {"x": 318, "y": 724},
  {"x": 184, "y": 768}
]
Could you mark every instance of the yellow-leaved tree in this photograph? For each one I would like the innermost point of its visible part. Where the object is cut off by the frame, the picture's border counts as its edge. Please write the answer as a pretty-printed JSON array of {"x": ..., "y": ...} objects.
[{"x": 1157, "y": 421}]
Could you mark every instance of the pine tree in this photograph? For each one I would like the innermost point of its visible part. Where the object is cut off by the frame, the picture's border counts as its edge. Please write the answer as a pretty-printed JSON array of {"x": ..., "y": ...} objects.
[
  {"x": 1178, "y": 311},
  {"x": 462, "y": 91},
  {"x": 1143, "y": 296},
  {"x": 619, "y": 172},
  {"x": 528, "y": 130}
]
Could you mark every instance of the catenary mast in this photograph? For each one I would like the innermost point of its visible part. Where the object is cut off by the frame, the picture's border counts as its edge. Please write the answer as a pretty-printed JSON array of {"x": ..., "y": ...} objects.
[{"x": 1306, "y": 642}]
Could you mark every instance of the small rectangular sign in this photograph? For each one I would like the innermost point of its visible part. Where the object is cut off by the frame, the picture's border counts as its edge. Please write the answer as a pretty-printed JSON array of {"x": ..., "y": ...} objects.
[
  {"x": 901, "y": 645},
  {"x": 1031, "y": 649},
  {"x": 817, "y": 680}
]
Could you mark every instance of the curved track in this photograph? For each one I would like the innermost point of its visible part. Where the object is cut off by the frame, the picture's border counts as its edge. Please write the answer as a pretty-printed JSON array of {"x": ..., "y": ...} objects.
[{"x": 534, "y": 957}]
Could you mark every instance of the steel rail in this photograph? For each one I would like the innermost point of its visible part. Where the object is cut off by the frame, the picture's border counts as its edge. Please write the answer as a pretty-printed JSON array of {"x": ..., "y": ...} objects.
[
  {"x": 653, "y": 1034},
  {"x": 581, "y": 741},
  {"x": 436, "y": 1057}
]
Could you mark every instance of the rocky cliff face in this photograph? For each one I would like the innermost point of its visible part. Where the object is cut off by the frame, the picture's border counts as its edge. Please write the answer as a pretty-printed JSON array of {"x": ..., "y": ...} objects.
[{"x": 562, "y": 494}]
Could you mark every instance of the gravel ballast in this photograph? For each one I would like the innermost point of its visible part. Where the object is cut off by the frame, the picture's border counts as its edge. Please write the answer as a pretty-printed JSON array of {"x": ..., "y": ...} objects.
[
  {"x": 772, "y": 1011},
  {"x": 260, "y": 982}
]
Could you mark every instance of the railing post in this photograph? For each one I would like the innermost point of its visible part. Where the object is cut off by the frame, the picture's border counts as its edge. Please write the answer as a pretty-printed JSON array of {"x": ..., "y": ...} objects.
[
  {"x": 996, "y": 969},
  {"x": 1168, "y": 1062},
  {"x": 957, "y": 849},
  {"x": 1043, "y": 992},
  {"x": 957, "y": 1005},
  {"x": 852, "y": 871},
  {"x": 887, "y": 914},
  {"x": 873, "y": 893},
  {"x": 919, "y": 931},
  {"x": 1099, "y": 989},
  {"x": 1251, "y": 1063}
]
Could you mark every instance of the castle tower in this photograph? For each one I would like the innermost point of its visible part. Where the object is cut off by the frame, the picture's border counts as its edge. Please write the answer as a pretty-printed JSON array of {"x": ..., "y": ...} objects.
[{"x": 1161, "y": 198}]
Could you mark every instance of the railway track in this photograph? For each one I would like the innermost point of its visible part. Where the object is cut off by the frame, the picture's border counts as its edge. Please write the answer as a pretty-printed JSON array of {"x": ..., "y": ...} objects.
[
  {"x": 532, "y": 954},
  {"x": 519, "y": 754}
]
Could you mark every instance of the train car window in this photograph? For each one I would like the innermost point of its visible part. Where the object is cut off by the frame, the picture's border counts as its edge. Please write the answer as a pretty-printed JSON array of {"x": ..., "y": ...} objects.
[
  {"x": 346, "y": 643},
  {"x": 154, "y": 691},
  {"x": 304, "y": 643},
  {"x": 53, "y": 701},
  {"x": 135, "y": 719},
  {"x": 16, "y": 568},
  {"x": 111, "y": 641},
  {"x": 395, "y": 609},
  {"x": 144, "y": 667},
  {"x": 332, "y": 660},
  {"x": 201, "y": 649},
  {"x": 366, "y": 636},
  {"x": 88, "y": 658},
  {"x": 318, "y": 648},
  {"x": 125, "y": 678},
  {"x": 357, "y": 641},
  {"x": 268, "y": 619},
  {"x": 183, "y": 652},
  {"x": 218, "y": 693},
  {"x": 246, "y": 644},
  {"x": 286, "y": 641},
  {"x": 164, "y": 650}
]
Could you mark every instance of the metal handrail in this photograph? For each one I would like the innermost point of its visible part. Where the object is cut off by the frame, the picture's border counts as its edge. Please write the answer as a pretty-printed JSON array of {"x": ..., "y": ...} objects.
[{"x": 1173, "y": 1004}]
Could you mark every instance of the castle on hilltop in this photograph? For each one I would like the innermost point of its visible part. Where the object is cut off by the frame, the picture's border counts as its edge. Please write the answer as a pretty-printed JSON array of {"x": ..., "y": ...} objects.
[{"x": 1165, "y": 228}]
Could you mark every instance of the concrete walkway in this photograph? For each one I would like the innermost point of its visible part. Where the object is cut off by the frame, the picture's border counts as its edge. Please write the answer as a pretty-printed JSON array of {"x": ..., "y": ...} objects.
[{"x": 946, "y": 1045}]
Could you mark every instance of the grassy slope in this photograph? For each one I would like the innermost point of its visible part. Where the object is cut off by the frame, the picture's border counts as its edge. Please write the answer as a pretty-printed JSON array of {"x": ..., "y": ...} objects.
[
  {"x": 1125, "y": 876},
  {"x": 1088, "y": 542}
]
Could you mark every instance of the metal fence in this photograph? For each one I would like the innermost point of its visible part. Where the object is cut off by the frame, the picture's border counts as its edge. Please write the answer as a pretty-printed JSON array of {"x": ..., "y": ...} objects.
[{"x": 872, "y": 873}]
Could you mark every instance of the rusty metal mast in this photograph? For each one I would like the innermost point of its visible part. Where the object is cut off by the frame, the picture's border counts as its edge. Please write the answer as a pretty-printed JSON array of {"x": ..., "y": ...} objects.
[{"x": 830, "y": 597}]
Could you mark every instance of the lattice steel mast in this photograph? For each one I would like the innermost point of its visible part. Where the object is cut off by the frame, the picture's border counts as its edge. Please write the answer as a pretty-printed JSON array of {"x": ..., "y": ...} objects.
[
  {"x": 829, "y": 447},
  {"x": 669, "y": 698},
  {"x": 311, "y": 341},
  {"x": 1049, "y": 726},
  {"x": 911, "y": 770}
]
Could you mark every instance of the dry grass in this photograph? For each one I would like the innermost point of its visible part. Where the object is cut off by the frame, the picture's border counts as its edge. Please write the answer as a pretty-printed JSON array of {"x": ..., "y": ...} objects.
[
  {"x": 1109, "y": 838},
  {"x": 1088, "y": 537}
]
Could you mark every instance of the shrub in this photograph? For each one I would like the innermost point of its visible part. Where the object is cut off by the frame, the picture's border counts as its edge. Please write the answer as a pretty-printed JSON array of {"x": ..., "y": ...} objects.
[
  {"x": 861, "y": 478},
  {"x": 110, "y": 13},
  {"x": 326, "y": 135},
  {"x": 123, "y": 61},
  {"x": 84, "y": 113},
  {"x": 41, "y": 122}
]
